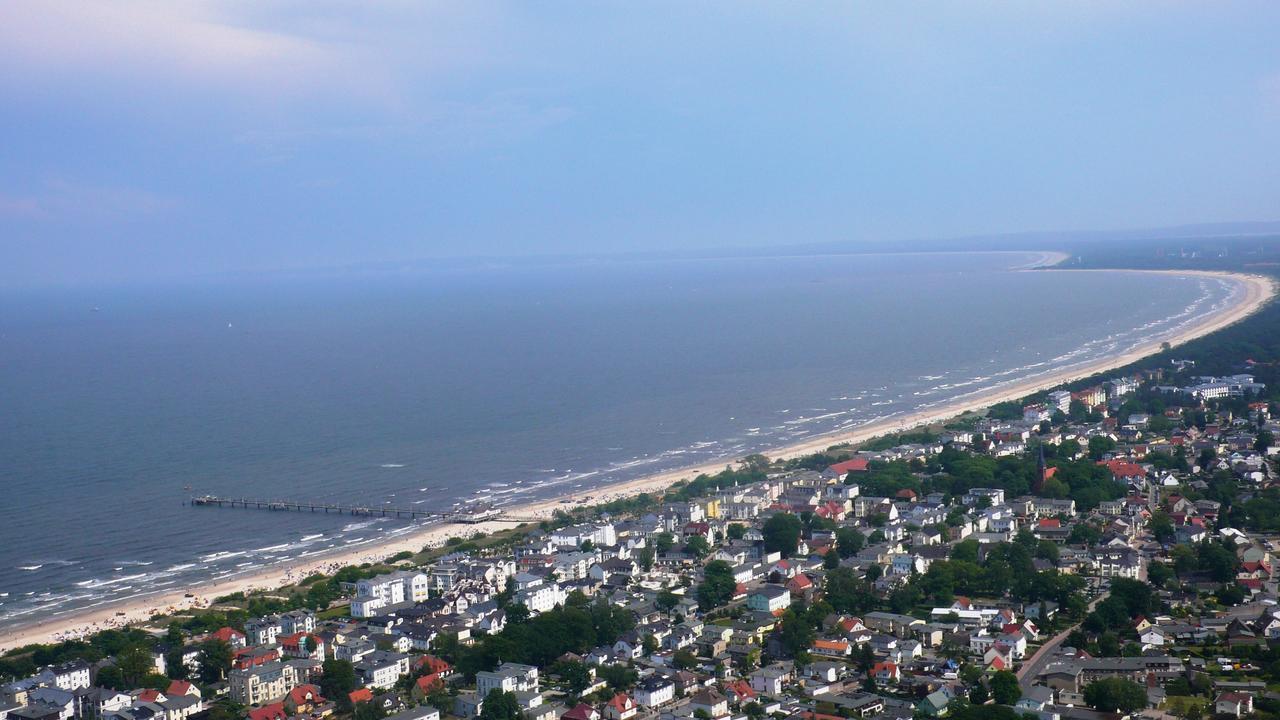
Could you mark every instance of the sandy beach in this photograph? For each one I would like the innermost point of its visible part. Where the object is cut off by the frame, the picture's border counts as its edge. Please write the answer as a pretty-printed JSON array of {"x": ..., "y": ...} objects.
[{"x": 1256, "y": 290}]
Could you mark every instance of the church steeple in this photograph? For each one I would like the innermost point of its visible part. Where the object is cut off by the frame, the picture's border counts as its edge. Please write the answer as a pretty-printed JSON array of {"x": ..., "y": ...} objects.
[{"x": 1042, "y": 470}]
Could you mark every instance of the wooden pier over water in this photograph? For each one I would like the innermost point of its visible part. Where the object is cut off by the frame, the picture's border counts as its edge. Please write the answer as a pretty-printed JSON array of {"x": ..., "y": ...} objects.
[{"x": 466, "y": 515}]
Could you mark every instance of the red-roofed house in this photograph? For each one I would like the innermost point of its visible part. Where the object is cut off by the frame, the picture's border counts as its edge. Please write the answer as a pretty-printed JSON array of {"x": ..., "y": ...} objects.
[
  {"x": 1049, "y": 523},
  {"x": 800, "y": 584},
  {"x": 435, "y": 665},
  {"x": 246, "y": 658},
  {"x": 581, "y": 711},
  {"x": 304, "y": 698},
  {"x": 698, "y": 528},
  {"x": 230, "y": 636},
  {"x": 1254, "y": 569},
  {"x": 851, "y": 465},
  {"x": 359, "y": 696},
  {"x": 178, "y": 688},
  {"x": 1125, "y": 471},
  {"x": 273, "y": 711},
  {"x": 831, "y": 648},
  {"x": 886, "y": 672},
  {"x": 831, "y": 510},
  {"x": 620, "y": 707},
  {"x": 1233, "y": 703},
  {"x": 739, "y": 692},
  {"x": 302, "y": 645},
  {"x": 427, "y": 684},
  {"x": 150, "y": 695},
  {"x": 852, "y": 624}
]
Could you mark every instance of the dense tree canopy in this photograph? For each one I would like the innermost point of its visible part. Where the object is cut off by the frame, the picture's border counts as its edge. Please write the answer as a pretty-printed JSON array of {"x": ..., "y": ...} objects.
[
  {"x": 1115, "y": 695},
  {"x": 782, "y": 533},
  {"x": 849, "y": 541},
  {"x": 214, "y": 660},
  {"x": 338, "y": 678},
  {"x": 1004, "y": 687},
  {"x": 717, "y": 585},
  {"x": 500, "y": 705},
  {"x": 577, "y": 627},
  {"x": 847, "y": 593},
  {"x": 1007, "y": 568}
]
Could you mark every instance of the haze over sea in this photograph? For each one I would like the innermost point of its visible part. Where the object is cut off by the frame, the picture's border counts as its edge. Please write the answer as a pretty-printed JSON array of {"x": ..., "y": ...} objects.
[{"x": 504, "y": 383}]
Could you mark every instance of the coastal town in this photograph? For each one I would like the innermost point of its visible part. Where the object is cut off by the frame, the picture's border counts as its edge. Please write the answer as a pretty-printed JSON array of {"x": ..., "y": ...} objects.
[
  {"x": 1091, "y": 552},
  {"x": 619, "y": 361}
]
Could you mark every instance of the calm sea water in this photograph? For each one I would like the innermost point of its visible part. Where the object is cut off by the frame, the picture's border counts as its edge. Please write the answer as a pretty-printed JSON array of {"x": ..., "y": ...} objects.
[{"x": 436, "y": 387}]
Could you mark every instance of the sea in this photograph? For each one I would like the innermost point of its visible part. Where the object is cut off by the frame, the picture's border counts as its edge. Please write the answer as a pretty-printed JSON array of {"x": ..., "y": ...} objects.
[{"x": 430, "y": 387}]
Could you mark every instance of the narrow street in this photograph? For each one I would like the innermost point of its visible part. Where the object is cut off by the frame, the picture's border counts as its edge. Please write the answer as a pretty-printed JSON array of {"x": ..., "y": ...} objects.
[{"x": 1031, "y": 668}]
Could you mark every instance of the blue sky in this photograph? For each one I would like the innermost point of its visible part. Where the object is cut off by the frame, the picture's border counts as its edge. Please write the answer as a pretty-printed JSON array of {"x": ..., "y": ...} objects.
[{"x": 150, "y": 140}]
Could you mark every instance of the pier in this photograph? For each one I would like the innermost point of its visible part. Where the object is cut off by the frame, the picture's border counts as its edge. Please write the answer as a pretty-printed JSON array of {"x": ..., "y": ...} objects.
[{"x": 469, "y": 515}]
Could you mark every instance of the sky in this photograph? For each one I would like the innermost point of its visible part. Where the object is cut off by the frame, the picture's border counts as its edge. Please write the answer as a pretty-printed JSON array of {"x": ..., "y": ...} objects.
[{"x": 161, "y": 140}]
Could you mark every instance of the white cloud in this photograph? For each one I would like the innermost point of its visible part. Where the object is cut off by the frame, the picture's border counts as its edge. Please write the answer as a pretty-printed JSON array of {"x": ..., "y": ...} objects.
[{"x": 177, "y": 45}]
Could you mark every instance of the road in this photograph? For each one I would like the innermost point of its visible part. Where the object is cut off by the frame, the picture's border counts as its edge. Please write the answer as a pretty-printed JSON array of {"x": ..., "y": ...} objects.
[{"x": 1033, "y": 665}]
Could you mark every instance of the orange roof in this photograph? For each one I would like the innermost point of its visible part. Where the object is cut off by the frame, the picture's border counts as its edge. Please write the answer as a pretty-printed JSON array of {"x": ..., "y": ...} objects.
[
  {"x": 225, "y": 634},
  {"x": 741, "y": 688},
  {"x": 428, "y": 683},
  {"x": 274, "y": 711},
  {"x": 434, "y": 664},
  {"x": 1120, "y": 468},
  {"x": 178, "y": 687},
  {"x": 853, "y": 465},
  {"x": 295, "y": 640},
  {"x": 361, "y": 695},
  {"x": 831, "y": 645},
  {"x": 304, "y": 694},
  {"x": 621, "y": 702}
]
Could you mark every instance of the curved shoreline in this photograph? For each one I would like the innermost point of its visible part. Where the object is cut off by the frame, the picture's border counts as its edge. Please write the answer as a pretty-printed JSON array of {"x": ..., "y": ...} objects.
[{"x": 1257, "y": 290}]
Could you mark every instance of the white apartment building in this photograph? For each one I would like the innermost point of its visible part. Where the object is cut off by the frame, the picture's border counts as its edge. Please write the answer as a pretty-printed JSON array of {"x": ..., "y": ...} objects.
[
  {"x": 1060, "y": 400},
  {"x": 509, "y": 677},
  {"x": 541, "y": 598},
  {"x": 375, "y": 593},
  {"x": 261, "y": 684},
  {"x": 603, "y": 534}
]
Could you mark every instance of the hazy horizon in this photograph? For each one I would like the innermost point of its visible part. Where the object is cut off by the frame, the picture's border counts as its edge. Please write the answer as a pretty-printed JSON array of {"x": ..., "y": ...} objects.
[{"x": 153, "y": 141}]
